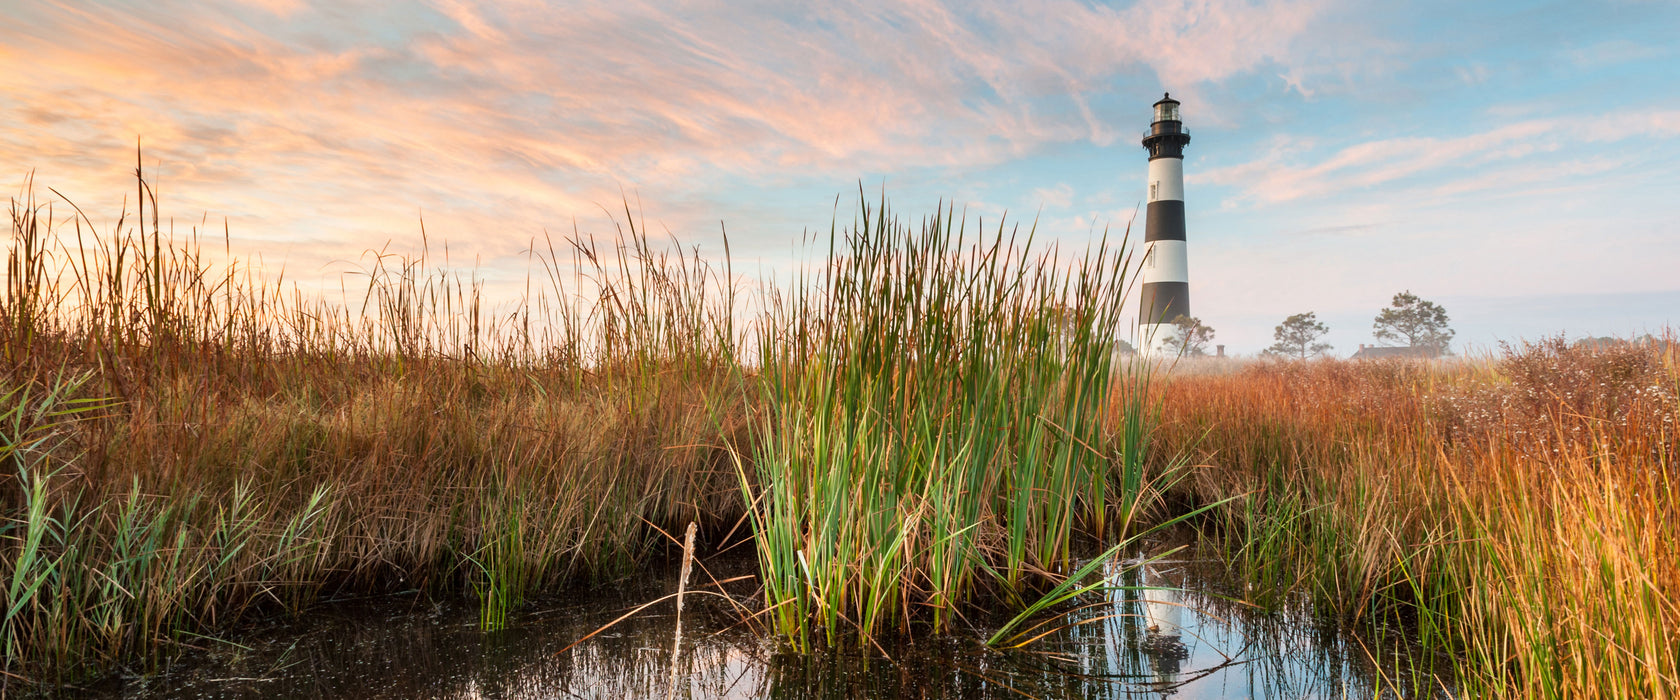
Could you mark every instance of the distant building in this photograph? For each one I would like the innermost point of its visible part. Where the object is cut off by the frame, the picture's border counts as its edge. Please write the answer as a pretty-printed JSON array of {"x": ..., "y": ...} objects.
[{"x": 1376, "y": 352}]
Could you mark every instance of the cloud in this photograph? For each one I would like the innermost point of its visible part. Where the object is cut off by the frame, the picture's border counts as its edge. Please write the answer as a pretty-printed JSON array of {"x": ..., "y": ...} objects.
[
  {"x": 1475, "y": 73},
  {"x": 1612, "y": 52},
  {"x": 279, "y": 8},
  {"x": 1060, "y": 196},
  {"x": 1472, "y": 162},
  {"x": 632, "y": 90},
  {"x": 320, "y": 129}
]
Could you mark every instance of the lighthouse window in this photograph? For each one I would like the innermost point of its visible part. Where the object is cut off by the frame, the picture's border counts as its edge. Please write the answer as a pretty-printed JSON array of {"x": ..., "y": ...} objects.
[
  {"x": 1166, "y": 112},
  {"x": 1153, "y": 188}
]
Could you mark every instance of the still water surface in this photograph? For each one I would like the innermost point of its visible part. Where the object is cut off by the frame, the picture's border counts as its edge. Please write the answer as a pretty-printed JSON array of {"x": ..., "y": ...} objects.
[{"x": 1172, "y": 635}]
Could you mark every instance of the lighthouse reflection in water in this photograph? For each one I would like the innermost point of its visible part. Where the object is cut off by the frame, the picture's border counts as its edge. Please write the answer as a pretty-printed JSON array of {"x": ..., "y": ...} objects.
[
  {"x": 1162, "y": 618},
  {"x": 1164, "y": 631}
]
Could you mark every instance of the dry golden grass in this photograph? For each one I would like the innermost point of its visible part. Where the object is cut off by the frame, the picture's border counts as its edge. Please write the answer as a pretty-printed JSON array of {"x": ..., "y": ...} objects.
[
  {"x": 1523, "y": 511},
  {"x": 250, "y": 449}
]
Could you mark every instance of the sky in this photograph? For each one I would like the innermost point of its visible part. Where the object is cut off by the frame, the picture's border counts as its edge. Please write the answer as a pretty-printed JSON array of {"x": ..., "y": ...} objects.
[{"x": 1514, "y": 162}]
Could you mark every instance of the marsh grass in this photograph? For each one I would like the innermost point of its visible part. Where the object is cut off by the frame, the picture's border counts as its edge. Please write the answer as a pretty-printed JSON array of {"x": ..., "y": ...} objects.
[
  {"x": 1519, "y": 512},
  {"x": 925, "y": 425},
  {"x": 922, "y": 424},
  {"x": 256, "y": 448}
]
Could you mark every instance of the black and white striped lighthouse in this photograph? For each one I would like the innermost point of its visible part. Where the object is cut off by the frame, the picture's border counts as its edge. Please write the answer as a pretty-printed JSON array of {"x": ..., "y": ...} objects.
[{"x": 1166, "y": 271}]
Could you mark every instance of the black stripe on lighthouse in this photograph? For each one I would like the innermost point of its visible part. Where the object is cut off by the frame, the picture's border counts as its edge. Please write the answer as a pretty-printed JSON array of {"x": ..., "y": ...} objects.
[
  {"x": 1162, "y": 302},
  {"x": 1164, "y": 221}
]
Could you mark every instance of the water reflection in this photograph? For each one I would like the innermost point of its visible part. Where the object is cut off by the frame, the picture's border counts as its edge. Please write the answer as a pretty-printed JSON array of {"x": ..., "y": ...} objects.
[
  {"x": 1147, "y": 640},
  {"x": 1167, "y": 632}
]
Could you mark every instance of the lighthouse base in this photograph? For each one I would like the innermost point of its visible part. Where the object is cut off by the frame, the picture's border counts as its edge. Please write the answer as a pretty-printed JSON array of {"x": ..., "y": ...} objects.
[{"x": 1156, "y": 340}]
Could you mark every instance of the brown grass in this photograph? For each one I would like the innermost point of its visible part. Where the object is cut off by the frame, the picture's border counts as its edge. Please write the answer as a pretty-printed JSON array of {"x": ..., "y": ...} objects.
[
  {"x": 262, "y": 448},
  {"x": 1523, "y": 511}
]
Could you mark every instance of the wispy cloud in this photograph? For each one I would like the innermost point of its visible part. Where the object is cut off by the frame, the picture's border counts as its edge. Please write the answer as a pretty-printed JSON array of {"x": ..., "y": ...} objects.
[
  {"x": 1458, "y": 164},
  {"x": 323, "y": 128},
  {"x": 1615, "y": 51},
  {"x": 635, "y": 90},
  {"x": 295, "y": 117}
]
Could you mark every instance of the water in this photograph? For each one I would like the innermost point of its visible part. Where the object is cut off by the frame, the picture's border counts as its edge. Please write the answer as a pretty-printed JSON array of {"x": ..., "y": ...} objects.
[{"x": 1149, "y": 643}]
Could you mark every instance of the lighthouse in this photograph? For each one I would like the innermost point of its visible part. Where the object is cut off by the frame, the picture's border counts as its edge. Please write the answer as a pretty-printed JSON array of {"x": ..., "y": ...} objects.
[{"x": 1166, "y": 271}]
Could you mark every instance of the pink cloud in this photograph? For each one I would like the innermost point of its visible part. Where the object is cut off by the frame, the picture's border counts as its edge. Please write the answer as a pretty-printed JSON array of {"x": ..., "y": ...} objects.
[
  {"x": 705, "y": 83},
  {"x": 324, "y": 128}
]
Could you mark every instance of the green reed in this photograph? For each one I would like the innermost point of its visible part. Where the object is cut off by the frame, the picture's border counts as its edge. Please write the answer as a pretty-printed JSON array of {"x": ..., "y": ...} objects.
[{"x": 936, "y": 424}]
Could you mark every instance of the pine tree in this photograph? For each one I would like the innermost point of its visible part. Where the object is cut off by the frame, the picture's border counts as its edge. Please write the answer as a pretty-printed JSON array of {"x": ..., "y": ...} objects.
[
  {"x": 1416, "y": 322},
  {"x": 1298, "y": 336},
  {"x": 1190, "y": 337}
]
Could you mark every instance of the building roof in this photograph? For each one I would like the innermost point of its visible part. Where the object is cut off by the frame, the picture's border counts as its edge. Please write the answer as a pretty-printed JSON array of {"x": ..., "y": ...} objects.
[{"x": 1374, "y": 352}]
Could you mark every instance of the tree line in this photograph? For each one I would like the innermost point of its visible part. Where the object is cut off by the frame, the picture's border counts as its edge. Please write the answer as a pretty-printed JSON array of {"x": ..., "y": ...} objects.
[{"x": 1408, "y": 321}]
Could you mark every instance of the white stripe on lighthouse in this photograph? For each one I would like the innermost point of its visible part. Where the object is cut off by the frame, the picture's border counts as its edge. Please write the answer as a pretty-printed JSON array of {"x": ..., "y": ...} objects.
[
  {"x": 1166, "y": 261},
  {"x": 1154, "y": 337},
  {"x": 1166, "y": 179}
]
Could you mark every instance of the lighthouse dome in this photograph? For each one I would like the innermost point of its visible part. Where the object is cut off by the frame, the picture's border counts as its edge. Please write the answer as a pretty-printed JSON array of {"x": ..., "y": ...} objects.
[{"x": 1167, "y": 109}]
